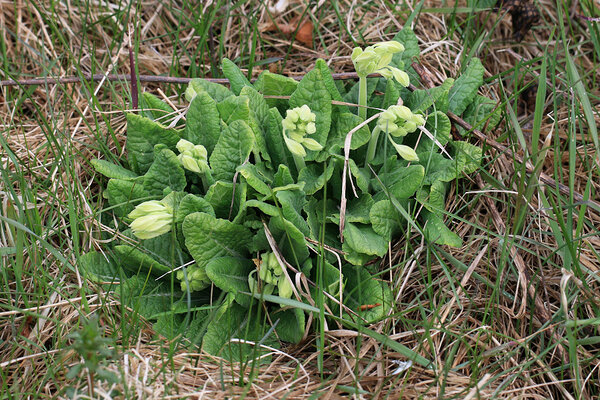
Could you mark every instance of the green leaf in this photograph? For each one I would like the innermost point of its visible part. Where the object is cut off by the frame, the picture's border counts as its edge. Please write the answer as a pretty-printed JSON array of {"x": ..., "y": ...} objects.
[
  {"x": 314, "y": 177},
  {"x": 111, "y": 170},
  {"x": 436, "y": 231},
  {"x": 207, "y": 237},
  {"x": 392, "y": 94},
  {"x": 421, "y": 99},
  {"x": 437, "y": 167},
  {"x": 214, "y": 90},
  {"x": 438, "y": 124},
  {"x": 467, "y": 157},
  {"x": 191, "y": 204},
  {"x": 292, "y": 203},
  {"x": 357, "y": 210},
  {"x": 270, "y": 84},
  {"x": 259, "y": 115},
  {"x": 411, "y": 48},
  {"x": 385, "y": 219},
  {"x": 95, "y": 267},
  {"x": 234, "y": 108},
  {"x": 124, "y": 195},
  {"x": 283, "y": 176},
  {"x": 234, "y": 321},
  {"x": 362, "y": 289},
  {"x": 466, "y": 86},
  {"x": 321, "y": 65},
  {"x": 165, "y": 172},
  {"x": 363, "y": 240},
  {"x": 231, "y": 275},
  {"x": 343, "y": 124},
  {"x": 291, "y": 324},
  {"x": 280, "y": 155},
  {"x": 482, "y": 111},
  {"x": 290, "y": 240},
  {"x": 313, "y": 92},
  {"x": 142, "y": 135},
  {"x": 202, "y": 122},
  {"x": 433, "y": 197},
  {"x": 266, "y": 208},
  {"x": 227, "y": 199},
  {"x": 232, "y": 150},
  {"x": 153, "y": 107},
  {"x": 237, "y": 80},
  {"x": 138, "y": 262},
  {"x": 147, "y": 296},
  {"x": 256, "y": 178},
  {"x": 402, "y": 182}
]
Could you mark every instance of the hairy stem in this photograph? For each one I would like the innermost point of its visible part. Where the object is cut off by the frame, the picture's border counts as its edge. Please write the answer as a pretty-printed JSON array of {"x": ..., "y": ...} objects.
[
  {"x": 299, "y": 161},
  {"x": 362, "y": 97},
  {"x": 372, "y": 145}
]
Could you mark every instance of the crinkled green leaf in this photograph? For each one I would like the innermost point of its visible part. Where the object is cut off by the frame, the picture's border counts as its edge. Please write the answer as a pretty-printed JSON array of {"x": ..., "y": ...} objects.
[
  {"x": 153, "y": 107},
  {"x": 290, "y": 240},
  {"x": 482, "y": 112},
  {"x": 207, "y": 237},
  {"x": 357, "y": 209},
  {"x": 392, "y": 94},
  {"x": 202, "y": 122},
  {"x": 235, "y": 108},
  {"x": 291, "y": 324},
  {"x": 142, "y": 135},
  {"x": 436, "y": 231},
  {"x": 97, "y": 268},
  {"x": 216, "y": 91},
  {"x": 343, "y": 124},
  {"x": 111, "y": 170},
  {"x": 259, "y": 115},
  {"x": 235, "y": 321},
  {"x": 467, "y": 157},
  {"x": 283, "y": 176},
  {"x": 266, "y": 208},
  {"x": 270, "y": 84},
  {"x": 385, "y": 219},
  {"x": 411, "y": 48},
  {"x": 280, "y": 155},
  {"x": 231, "y": 275},
  {"x": 135, "y": 260},
  {"x": 237, "y": 80},
  {"x": 292, "y": 203},
  {"x": 165, "y": 172},
  {"x": 147, "y": 296},
  {"x": 124, "y": 195},
  {"x": 321, "y": 65},
  {"x": 363, "y": 240},
  {"x": 256, "y": 178},
  {"x": 421, "y": 99},
  {"x": 438, "y": 124},
  {"x": 191, "y": 204},
  {"x": 227, "y": 199},
  {"x": 232, "y": 150},
  {"x": 313, "y": 92},
  {"x": 402, "y": 182},
  {"x": 465, "y": 88},
  {"x": 433, "y": 197},
  {"x": 363, "y": 292},
  {"x": 315, "y": 177},
  {"x": 437, "y": 167}
]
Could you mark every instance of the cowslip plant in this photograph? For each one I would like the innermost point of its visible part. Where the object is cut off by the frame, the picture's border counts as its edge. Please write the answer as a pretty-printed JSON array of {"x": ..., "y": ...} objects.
[{"x": 235, "y": 207}]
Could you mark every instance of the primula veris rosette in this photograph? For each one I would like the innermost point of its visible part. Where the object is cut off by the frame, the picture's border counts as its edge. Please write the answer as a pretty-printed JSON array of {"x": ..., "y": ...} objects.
[
  {"x": 297, "y": 125},
  {"x": 376, "y": 59},
  {"x": 151, "y": 219},
  {"x": 399, "y": 121},
  {"x": 193, "y": 157}
]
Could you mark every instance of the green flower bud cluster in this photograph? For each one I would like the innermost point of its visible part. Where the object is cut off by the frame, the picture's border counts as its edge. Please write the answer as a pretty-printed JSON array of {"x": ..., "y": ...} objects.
[
  {"x": 272, "y": 276},
  {"x": 399, "y": 121},
  {"x": 193, "y": 157},
  {"x": 298, "y": 123},
  {"x": 151, "y": 218},
  {"x": 196, "y": 278},
  {"x": 376, "y": 59}
]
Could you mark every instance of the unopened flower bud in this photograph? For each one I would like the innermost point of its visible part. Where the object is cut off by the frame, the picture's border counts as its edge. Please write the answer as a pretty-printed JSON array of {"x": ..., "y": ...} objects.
[{"x": 150, "y": 219}]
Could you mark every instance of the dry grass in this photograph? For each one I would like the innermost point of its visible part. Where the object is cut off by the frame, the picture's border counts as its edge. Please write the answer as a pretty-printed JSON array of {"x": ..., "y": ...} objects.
[{"x": 33, "y": 328}]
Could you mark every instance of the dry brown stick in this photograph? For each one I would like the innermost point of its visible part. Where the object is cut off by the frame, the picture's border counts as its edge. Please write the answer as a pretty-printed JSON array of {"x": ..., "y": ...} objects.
[{"x": 142, "y": 78}]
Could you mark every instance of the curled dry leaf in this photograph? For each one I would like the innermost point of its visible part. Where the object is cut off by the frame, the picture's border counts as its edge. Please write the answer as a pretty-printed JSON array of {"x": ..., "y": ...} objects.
[{"x": 304, "y": 34}]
